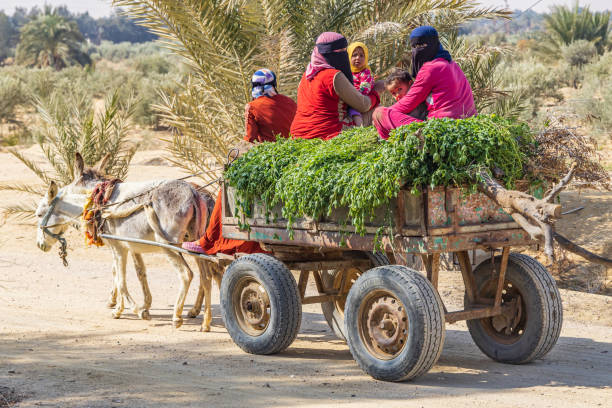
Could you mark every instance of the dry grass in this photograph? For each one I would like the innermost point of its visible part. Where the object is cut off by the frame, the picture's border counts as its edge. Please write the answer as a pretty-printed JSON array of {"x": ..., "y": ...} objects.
[{"x": 574, "y": 273}]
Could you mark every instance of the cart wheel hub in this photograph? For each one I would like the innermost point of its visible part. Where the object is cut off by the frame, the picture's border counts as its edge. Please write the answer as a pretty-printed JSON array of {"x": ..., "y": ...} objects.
[
  {"x": 510, "y": 317},
  {"x": 254, "y": 303},
  {"x": 387, "y": 325},
  {"x": 509, "y": 326}
]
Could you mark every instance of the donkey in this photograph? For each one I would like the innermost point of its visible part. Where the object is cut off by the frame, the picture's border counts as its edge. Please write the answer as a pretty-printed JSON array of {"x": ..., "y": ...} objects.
[{"x": 167, "y": 211}]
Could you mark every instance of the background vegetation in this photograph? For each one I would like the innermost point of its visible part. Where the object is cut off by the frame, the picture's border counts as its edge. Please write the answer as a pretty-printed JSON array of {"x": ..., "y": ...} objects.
[
  {"x": 105, "y": 85},
  {"x": 195, "y": 81}
]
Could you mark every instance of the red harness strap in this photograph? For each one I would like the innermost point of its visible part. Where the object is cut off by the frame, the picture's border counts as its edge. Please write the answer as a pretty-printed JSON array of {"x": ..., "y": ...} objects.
[{"x": 92, "y": 212}]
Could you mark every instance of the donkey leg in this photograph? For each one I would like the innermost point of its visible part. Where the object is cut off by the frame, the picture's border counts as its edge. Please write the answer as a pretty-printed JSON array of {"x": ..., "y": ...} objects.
[
  {"x": 120, "y": 255},
  {"x": 217, "y": 273},
  {"x": 207, "y": 284},
  {"x": 185, "y": 276},
  {"x": 112, "y": 300},
  {"x": 197, "y": 306},
  {"x": 118, "y": 265},
  {"x": 141, "y": 272},
  {"x": 214, "y": 272}
]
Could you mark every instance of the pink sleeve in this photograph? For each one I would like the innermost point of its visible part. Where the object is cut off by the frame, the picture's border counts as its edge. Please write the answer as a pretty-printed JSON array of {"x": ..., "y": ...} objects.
[{"x": 418, "y": 92}]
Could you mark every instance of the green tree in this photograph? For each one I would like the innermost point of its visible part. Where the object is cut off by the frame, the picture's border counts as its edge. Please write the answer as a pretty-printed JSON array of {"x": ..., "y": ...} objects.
[
  {"x": 8, "y": 34},
  {"x": 566, "y": 25},
  {"x": 224, "y": 42},
  {"x": 51, "y": 40},
  {"x": 118, "y": 28}
]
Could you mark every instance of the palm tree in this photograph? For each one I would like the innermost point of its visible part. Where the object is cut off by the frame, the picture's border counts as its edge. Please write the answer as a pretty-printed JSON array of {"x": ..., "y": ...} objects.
[
  {"x": 566, "y": 25},
  {"x": 51, "y": 40},
  {"x": 225, "y": 41},
  {"x": 69, "y": 124}
]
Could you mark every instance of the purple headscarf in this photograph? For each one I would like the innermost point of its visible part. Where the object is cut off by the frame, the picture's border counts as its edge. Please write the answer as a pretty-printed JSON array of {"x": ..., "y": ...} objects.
[{"x": 324, "y": 55}]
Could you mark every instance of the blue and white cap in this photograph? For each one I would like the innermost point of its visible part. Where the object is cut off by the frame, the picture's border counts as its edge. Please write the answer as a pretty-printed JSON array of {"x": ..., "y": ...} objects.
[{"x": 263, "y": 83}]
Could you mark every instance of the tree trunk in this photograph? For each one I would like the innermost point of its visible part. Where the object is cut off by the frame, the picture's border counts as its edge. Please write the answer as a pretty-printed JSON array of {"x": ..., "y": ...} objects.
[
  {"x": 533, "y": 215},
  {"x": 537, "y": 216}
]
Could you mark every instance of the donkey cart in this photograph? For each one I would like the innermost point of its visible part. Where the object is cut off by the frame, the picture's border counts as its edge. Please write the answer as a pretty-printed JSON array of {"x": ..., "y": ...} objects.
[{"x": 391, "y": 316}]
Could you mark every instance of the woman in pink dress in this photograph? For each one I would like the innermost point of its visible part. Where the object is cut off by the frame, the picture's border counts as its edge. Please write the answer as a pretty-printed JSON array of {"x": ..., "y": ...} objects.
[{"x": 438, "y": 81}]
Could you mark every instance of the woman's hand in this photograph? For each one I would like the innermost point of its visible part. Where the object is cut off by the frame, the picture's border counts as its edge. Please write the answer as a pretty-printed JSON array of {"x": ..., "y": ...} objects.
[{"x": 379, "y": 86}]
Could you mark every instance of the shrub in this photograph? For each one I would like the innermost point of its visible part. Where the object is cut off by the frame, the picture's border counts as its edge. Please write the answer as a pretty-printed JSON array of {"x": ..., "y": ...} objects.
[
  {"x": 594, "y": 103},
  {"x": 579, "y": 53},
  {"x": 225, "y": 42},
  {"x": 12, "y": 94},
  {"x": 123, "y": 50},
  {"x": 533, "y": 79},
  {"x": 600, "y": 68},
  {"x": 152, "y": 64}
]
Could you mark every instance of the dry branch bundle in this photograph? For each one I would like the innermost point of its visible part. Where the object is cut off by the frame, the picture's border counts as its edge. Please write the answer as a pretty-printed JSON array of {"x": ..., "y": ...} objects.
[{"x": 558, "y": 147}]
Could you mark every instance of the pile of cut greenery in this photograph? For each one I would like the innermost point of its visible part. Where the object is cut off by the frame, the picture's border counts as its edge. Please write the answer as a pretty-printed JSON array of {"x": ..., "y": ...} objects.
[{"x": 362, "y": 172}]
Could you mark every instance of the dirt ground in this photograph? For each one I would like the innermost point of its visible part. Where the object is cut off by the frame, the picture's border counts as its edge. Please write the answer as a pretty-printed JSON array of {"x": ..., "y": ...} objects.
[{"x": 59, "y": 346}]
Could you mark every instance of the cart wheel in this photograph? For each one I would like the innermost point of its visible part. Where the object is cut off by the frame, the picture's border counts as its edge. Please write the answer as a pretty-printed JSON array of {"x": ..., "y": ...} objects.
[
  {"x": 531, "y": 322},
  {"x": 394, "y": 323},
  {"x": 334, "y": 310},
  {"x": 260, "y": 304}
]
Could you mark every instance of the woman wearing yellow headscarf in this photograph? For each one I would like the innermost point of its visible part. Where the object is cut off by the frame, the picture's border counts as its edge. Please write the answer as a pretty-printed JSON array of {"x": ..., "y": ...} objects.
[{"x": 362, "y": 76}]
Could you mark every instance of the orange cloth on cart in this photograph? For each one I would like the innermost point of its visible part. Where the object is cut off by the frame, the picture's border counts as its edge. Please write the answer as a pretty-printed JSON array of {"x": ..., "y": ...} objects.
[{"x": 212, "y": 241}]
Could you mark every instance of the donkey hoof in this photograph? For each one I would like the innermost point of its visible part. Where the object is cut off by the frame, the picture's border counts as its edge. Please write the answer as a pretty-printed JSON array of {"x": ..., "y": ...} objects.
[
  {"x": 193, "y": 313},
  {"x": 177, "y": 323},
  {"x": 205, "y": 328},
  {"x": 116, "y": 315},
  {"x": 144, "y": 315},
  {"x": 111, "y": 304}
]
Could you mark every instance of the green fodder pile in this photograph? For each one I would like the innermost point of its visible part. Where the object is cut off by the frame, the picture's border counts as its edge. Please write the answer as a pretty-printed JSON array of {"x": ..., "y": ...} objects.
[{"x": 359, "y": 171}]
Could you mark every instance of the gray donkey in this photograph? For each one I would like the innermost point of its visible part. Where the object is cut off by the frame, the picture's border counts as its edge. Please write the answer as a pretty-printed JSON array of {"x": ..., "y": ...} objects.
[{"x": 168, "y": 211}]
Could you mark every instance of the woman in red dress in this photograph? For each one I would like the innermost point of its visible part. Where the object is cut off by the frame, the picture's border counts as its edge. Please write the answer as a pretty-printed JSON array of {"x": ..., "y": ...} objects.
[
  {"x": 268, "y": 115},
  {"x": 326, "y": 86}
]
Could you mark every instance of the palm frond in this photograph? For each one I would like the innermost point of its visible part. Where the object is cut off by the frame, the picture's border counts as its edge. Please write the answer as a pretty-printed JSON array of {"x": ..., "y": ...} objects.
[
  {"x": 35, "y": 168},
  {"x": 20, "y": 212},
  {"x": 224, "y": 41},
  {"x": 24, "y": 188}
]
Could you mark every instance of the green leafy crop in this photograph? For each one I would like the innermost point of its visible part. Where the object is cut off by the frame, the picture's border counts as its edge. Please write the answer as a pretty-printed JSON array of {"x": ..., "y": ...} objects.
[{"x": 359, "y": 171}]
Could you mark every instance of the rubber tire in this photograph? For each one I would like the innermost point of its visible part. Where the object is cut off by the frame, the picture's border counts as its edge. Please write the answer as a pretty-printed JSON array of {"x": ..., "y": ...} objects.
[
  {"x": 285, "y": 304},
  {"x": 542, "y": 303},
  {"x": 334, "y": 318},
  {"x": 426, "y": 323}
]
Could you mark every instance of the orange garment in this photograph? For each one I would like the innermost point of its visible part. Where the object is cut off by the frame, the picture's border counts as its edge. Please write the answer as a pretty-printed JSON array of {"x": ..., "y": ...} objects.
[
  {"x": 212, "y": 241},
  {"x": 267, "y": 117}
]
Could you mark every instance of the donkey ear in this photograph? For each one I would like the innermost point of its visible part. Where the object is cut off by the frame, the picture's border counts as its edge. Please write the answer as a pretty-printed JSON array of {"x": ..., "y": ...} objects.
[
  {"x": 79, "y": 165},
  {"x": 52, "y": 192},
  {"x": 102, "y": 163}
]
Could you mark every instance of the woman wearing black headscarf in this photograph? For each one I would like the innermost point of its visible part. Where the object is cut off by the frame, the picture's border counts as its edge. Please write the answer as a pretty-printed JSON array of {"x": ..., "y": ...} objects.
[
  {"x": 325, "y": 86},
  {"x": 439, "y": 82}
]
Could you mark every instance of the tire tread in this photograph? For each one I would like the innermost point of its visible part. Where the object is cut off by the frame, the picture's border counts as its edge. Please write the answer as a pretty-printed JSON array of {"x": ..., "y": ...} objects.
[
  {"x": 286, "y": 292},
  {"x": 552, "y": 309},
  {"x": 429, "y": 306}
]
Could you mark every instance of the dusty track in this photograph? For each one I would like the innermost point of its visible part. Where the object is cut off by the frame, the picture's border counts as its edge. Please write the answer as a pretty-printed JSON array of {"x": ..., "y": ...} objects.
[{"x": 59, "y": 346}]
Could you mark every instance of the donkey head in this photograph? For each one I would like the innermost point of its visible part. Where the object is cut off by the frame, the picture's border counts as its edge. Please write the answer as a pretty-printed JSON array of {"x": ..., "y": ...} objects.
[
  {"x": 88, "y": 177},
  {"x": 60, "y": 208},
  {"x": 49, "y": 219}
]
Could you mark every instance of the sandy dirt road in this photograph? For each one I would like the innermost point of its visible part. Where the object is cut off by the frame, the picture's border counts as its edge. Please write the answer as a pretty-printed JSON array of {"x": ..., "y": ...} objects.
[{"x": 59, "y": 346}]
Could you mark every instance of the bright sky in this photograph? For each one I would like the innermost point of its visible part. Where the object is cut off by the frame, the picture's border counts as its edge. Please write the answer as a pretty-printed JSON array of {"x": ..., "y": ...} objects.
[{"x": 98, "y": 8}]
